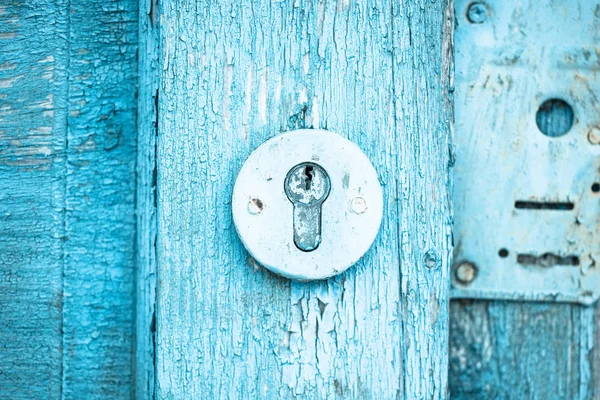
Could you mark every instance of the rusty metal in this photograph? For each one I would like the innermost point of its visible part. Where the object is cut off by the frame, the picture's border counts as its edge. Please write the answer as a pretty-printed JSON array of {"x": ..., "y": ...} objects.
[
  {"x": 527, "y": 154},
  {"x": 307, "y": 185}
]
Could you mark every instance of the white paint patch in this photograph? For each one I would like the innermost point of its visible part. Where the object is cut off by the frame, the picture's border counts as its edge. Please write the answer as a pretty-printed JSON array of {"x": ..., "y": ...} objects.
[
  {"x": 262, "y": 96},
  {"x": 306, "y": 63},
  {"x": 278, "y": 90},
  {"x": 6, "y": 66},
  {"x": 247, "y": 102},
  {"x": 49, "y": 72},
  {"x": 192, "y": 59},
  {"x": 48, "y": 102},
  {"x": 8, "y": 82},
  {"x": 41, "y": 131},
  {"x": 302, "y": 97},
  {"x": 48, "y": 59},
  {"x": 226, "y": 103},
  {"x": 314, "y": 113}
]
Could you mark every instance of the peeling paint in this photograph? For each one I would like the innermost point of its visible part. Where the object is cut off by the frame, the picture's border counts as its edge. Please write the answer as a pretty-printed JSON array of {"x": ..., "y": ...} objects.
[{"x": 378, "y": 330}]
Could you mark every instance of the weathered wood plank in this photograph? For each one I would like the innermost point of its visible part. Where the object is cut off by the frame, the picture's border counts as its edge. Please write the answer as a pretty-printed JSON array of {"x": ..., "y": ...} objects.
[
  {"x": 233, "y": 74},
  {"x": 33, "y": 61},
  {"x": 67, "y": 155},
  {"x": 98, "y": 321},
  {"x": 503, "y": 350}
]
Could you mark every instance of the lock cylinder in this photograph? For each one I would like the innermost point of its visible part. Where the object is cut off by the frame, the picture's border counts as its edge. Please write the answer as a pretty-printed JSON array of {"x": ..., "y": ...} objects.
[{"x": 307, "y": 204}]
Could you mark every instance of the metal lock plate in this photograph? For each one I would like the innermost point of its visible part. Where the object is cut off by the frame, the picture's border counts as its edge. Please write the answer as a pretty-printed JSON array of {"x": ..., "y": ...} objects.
[
  {"x": 307, "y": 204},
  {"x": 527, "y": 172}
]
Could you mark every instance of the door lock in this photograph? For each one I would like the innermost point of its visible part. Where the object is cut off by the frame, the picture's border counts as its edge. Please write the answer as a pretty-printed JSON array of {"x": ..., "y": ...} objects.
[
  {"x": 307, "y": 204},
  {"x": 307, "y": 186}
]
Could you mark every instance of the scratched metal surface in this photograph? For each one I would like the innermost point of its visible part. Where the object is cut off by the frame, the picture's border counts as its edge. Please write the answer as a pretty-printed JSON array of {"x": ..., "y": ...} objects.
[
  {"x": 521, "y": 55},
  {"x": 67, "y": 145},
  {"x": 528, "y": 350},
  {"x": 235, "y": 73}
]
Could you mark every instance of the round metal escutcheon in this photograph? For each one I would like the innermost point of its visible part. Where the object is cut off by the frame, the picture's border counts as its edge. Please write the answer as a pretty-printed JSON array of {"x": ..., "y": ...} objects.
[{"x": 263, "y": 213}]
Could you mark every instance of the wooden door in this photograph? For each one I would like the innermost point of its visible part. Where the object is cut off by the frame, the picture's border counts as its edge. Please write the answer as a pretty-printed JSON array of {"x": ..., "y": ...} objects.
[
  {"x": 115, "y": 289},
  {"x": 226, "y": 76}
]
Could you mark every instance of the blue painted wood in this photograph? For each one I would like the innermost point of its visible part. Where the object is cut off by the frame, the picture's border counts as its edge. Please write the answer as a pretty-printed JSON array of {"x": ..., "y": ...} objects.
[
  {"x": 507, "y": 350},
  {"x": 235, "y": 73},
  {"x": 99, "y": 301},
  {"x": 33, "y": 98},
  {"x": 67, "y": 181},
  {"x": 146, "y": 200}
]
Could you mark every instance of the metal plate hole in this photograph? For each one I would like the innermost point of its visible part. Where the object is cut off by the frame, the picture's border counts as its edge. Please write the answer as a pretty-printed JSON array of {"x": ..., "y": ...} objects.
[
  {"x": 554, "y": 118},
  {"x": 547, "y": 260},
  {"x": 503, "y": 253},
  {"x": 544, "y": 205}
]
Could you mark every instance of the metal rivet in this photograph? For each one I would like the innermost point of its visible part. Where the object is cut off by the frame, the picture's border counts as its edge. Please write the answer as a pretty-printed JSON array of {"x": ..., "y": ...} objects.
[
  {"x": 477, "y": 13},
  {"x": 358, "y": 205},
  {"x": 466, "y": 272},
  {"x": 431, "y": 259},
  {"x": 255, "y": 206},
  {"x": 594, "y": 135}
]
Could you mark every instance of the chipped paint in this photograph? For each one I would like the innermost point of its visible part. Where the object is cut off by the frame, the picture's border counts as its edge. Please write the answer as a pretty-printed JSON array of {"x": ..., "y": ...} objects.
[
  {"x": 66, "y": 217},
  {"x": 226, "y": 328}
]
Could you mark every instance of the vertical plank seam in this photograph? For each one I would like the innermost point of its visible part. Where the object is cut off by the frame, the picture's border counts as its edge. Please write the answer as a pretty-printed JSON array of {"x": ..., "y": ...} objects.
[
  {"x": 402, "y": 378},
  {"x": 145, "y": 368},
  {"x": 65, "y": 193}
]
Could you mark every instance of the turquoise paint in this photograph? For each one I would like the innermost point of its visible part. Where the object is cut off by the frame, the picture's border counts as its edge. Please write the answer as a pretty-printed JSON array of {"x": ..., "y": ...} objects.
[
  {"x": 66, "y": 212},
  {"x": 99, "y": 274},
  {"x": 507, "y": 67},
  {"x": 146, "y": 200},
  {"x": 507, "y": 350},
  {"x": 233, "y": 74},
  {"x": 32, "y": 174},
  {"x": 67, "y": 155}
]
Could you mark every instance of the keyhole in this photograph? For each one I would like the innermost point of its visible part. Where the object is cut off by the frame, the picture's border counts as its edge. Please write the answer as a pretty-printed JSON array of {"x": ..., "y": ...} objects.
[
  {"x": 308, "y": 176},
  {"x": 307, "y": 186}
]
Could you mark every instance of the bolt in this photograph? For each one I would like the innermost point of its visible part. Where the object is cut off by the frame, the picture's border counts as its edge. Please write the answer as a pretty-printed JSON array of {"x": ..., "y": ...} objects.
[
  {"x": 255, "y": 206},
  {"x": 477, "y": 13},
  {"x": 358, "y": 205},
  {"x": 594, "y": 135},
  {"x": 465, "y": 272},
  {"x": 431, "y": 260}
]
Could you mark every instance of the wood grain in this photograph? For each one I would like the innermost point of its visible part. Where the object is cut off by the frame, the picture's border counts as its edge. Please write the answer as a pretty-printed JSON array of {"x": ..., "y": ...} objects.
[
  {"x": 67, "y": 181},
  {"x": 33, "y": 98},
  {"x": 507, "y": 350},
  {"x": 99, "y": 301},
  {"x": 234, "y": 74}
]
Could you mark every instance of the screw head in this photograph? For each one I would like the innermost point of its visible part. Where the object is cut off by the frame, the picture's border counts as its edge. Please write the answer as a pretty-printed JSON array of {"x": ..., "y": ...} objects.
[
  {"x": 358, "y": 205},
  {"x": 477, "y": 13},
  {"x": 465, "y": 272},
  {"x": 594, "y": 135},
  {"x": 255, "y": 206}
]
